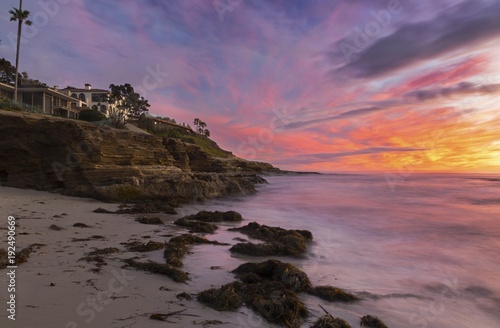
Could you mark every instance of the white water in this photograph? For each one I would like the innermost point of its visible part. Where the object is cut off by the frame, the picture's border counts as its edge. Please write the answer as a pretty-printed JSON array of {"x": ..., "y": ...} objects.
[{"x": 423, "y": 254}]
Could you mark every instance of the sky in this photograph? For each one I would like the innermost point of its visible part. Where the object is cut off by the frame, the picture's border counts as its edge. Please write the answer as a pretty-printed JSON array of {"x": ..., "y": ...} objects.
[{"x": 321, "y": 85}]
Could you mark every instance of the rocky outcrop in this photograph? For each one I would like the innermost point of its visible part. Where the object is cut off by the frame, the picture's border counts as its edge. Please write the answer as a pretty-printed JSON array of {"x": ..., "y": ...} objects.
[{"x": 82, "y": 159}]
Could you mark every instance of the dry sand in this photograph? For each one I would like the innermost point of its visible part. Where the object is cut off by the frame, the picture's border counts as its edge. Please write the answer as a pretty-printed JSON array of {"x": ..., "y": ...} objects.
[{"x": 54, "y": 288}]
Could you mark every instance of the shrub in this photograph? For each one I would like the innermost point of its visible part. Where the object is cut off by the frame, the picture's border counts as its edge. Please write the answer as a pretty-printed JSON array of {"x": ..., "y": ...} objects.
[{"x": 90, "y": 115}]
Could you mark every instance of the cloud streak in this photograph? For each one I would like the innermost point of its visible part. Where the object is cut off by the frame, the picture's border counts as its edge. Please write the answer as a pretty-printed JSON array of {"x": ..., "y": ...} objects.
[{"x": 466, "y": 24}]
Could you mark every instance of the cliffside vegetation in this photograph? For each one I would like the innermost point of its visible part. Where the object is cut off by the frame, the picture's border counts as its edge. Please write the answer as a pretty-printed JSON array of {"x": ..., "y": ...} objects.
[{"x": 200, "y": 140}]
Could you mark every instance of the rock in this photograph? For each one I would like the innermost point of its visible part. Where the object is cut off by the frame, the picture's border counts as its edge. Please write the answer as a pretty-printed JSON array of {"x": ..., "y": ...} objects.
[
  {"x": 196, "y": 226},
  {"x": 81, "y": 225},
  {"x": 159, "y": 268},
  {"x": 215, "y": 216},
  {"x": 149, "y": 206},
  {"x": 147, "y": 220},
  {"x": 102, "y": 210},
  {"x": 372, "y": 321},
  {"x": 137, "y": 246},
  {"x": 275, "y": 303},
  {"x": 327, "y": 321},
  {"x": 55, "y": 227},
  {"x": 224, "y": 298},
  {"x": 289, "y": 246},
  {"x": 274, "y": 271},
  {"x": 272, "y": 301},
  {"x": 267, "y": 233},
  {"x": 332, "y": 294},
  {"x": 279, "y": 241},
  {"x": 231, "y": 216}
]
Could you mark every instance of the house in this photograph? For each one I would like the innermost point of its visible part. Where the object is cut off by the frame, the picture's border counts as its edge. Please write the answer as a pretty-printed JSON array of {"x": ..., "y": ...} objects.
[
  {"x": 49, "y": 100},
  {"x": 96, "y": 99},
  {"x": 6, "y": 91}
]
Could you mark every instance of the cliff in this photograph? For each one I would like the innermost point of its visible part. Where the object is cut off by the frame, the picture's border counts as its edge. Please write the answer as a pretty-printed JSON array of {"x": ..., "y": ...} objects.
[{"x": 81, "y": 159}]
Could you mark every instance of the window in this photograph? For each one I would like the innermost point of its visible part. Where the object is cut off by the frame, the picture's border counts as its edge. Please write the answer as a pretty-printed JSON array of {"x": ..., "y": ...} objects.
[
  {"x": 38, "y": 99},
  {"x": 74, "y": 95},
  {"x": 82, "y": 97},
  {"x": 99, "y": 97},
  {"x": 103, "y": 108}
]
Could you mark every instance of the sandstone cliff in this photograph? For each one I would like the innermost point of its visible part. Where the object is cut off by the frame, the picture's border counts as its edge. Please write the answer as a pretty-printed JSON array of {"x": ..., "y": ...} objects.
[{"x": 82, "y": 159}]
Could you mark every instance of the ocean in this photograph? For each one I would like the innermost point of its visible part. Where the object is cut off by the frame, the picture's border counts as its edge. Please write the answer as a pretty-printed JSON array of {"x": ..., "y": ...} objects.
[{"x": 422, "y": 251}]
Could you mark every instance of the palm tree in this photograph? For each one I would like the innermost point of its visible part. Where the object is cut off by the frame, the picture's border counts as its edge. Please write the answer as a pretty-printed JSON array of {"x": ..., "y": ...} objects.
[{"x": 20, "y": 16}]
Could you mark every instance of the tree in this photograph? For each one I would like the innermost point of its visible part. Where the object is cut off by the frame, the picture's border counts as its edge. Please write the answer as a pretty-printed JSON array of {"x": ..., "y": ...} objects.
[
  {"x": 200, "y": 127},
  {"x": 207, "y": 133},
  {"x": 7, "y": 72},
  {"x": 21, "y": 16},
  {"x": 128, "y": 104},
  {"x": 27, "y": 81}
]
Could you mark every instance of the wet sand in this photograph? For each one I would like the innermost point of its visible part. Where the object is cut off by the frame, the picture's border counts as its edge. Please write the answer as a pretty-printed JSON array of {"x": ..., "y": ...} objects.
[{"x": 55, "y": 288}]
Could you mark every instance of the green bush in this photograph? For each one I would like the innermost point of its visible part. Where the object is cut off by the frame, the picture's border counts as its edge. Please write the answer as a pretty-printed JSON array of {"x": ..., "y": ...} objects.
[
  {"x": 7, "y": 104},
  {"x": 90, "y": 115}
]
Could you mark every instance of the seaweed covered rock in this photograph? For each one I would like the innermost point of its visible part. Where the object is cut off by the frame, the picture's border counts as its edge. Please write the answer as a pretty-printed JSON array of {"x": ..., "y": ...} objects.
[
  {"x": 328, "y": 321},
  {"x": 332, "y": 294},
  {"x": 149, "y": 220},
  {"x": 272, "y": 301},
  {"x": 372, "y": 321},
  {"x": 137, "y": 246},
  {"x": 144, "y": 207},
  {"x": 274, "y": 271},
  {"x": 177, "y": 247},
  {"x": 275, "y": 303},
  {"x": 148, "y": 206},
  {"x": 159, "y": 268},
  {"x": 224, "y": 298},
  {"x": 291, "y": 245},
  {"x": 196, "y": 226},
  {"x": 215, "y": 216},
  {"x": 267, "y": 233},
  {"x": 278, "y": 241}
]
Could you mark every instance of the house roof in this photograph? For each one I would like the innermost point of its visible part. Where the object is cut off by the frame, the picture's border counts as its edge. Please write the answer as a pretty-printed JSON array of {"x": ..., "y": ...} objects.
[
  {"x": 85, "y": 90},
  {"x": 6, "y": 86}
]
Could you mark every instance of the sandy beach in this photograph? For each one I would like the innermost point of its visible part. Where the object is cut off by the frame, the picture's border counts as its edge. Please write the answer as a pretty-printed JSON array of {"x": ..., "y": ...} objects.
[{"x": 55, "y": 288}]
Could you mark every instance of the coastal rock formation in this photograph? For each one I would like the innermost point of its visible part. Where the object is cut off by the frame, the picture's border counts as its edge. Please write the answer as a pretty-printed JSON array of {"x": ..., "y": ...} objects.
[
  {"x": 271, "y": 289},
  {"x": 82, "y": 159},
  {"x": 278, "y": 241}
]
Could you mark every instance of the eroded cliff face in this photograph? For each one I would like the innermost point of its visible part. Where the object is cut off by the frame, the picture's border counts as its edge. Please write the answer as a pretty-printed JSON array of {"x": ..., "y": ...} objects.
[{"x": 82, "y": 159}]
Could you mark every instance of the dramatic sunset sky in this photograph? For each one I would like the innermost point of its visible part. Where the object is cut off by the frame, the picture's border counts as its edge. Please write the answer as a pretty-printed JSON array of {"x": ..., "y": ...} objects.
[{"x": 333, "y": 85}]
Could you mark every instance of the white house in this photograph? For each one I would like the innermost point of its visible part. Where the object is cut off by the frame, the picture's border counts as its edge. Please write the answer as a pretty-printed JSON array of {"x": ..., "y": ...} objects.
[
  {"x": 48, "y": 100},
  {"x": 96, "y": 99}
]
